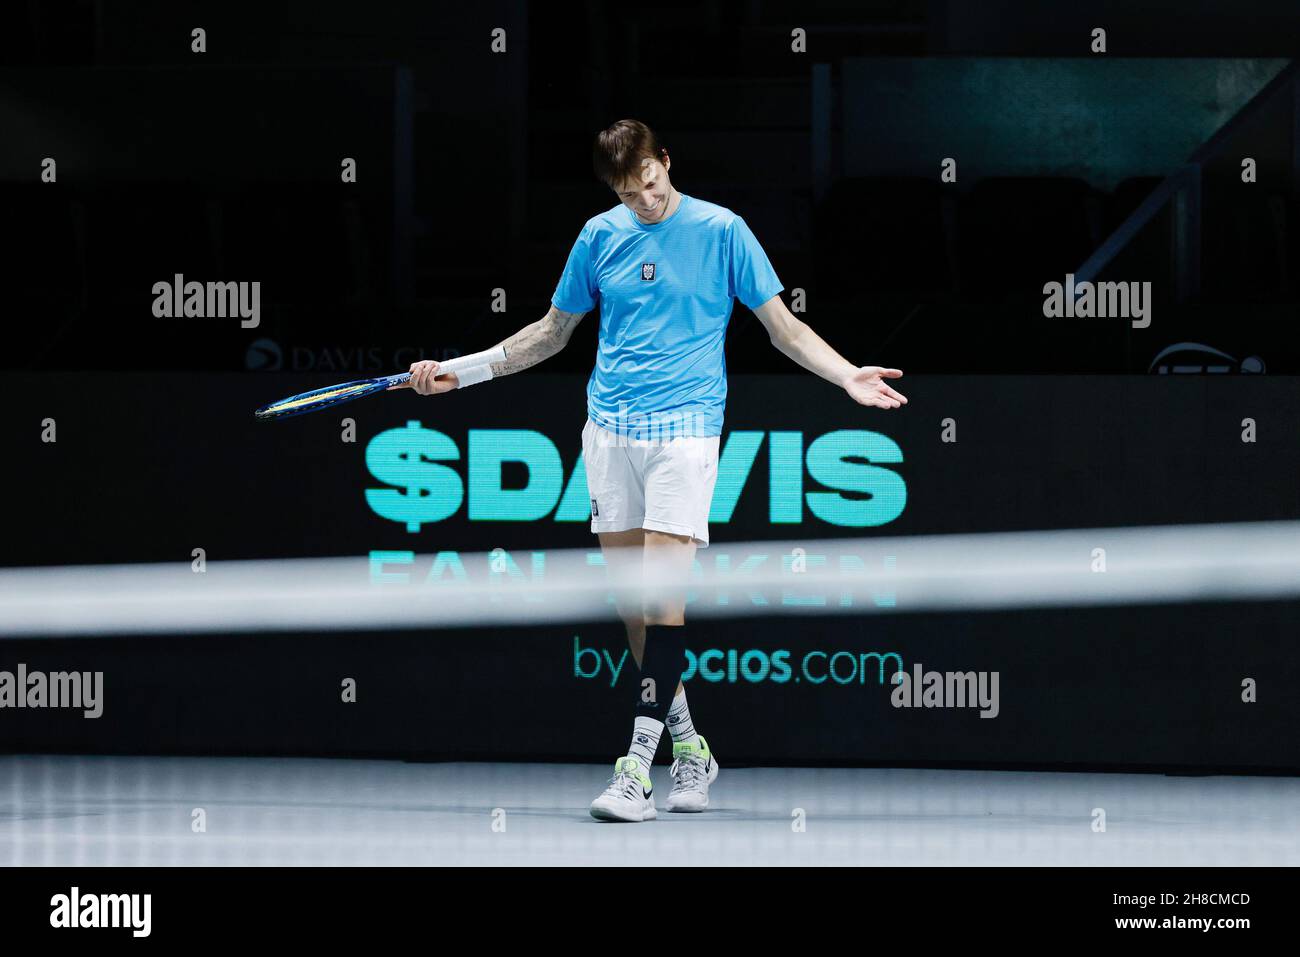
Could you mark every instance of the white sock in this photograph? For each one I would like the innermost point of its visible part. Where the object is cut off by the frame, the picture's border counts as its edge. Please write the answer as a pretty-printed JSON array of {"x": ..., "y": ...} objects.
[
  {"x": 680, "y": 725},
  {"x": 645, "y": 740}
]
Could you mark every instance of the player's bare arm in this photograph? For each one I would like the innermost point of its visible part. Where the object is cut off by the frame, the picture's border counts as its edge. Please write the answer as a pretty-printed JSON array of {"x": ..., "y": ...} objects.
[
  {"x": 530, "y": 345},
  {"x": 866, "y": 385},
  {"x": 539, "y": 341}
]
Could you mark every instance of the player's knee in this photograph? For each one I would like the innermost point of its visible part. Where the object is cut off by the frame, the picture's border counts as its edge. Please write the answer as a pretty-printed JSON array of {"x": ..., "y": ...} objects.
[
  {"x": 665, "y": 615},
  {"x": 656, "y": 537}
]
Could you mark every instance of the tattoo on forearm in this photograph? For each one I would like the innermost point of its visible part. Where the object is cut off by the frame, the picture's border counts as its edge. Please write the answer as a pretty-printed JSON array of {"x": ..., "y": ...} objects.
[{"x": 541, "y": 340}]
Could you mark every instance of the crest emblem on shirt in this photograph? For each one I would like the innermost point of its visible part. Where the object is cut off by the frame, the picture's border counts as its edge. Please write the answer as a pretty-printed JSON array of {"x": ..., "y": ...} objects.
[{"x": 647, "y": 271}]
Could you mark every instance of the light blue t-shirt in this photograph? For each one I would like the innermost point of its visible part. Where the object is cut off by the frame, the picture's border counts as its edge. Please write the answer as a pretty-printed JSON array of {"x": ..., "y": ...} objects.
[{"x": 665, "y": 293}]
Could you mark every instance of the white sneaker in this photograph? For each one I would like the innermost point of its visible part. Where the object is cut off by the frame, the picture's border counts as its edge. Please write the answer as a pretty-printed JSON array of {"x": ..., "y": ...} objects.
[
  {"x": 693, "y": 771},
  {"x": 629, "y": 797}
]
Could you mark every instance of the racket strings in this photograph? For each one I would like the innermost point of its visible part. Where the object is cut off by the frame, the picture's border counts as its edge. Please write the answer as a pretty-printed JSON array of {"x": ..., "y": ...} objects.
[{"x": 312, "y": 398}]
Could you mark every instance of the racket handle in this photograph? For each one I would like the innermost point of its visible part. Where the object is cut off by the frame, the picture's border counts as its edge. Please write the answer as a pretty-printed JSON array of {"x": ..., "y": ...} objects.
[{"x": 459, "y": 364}]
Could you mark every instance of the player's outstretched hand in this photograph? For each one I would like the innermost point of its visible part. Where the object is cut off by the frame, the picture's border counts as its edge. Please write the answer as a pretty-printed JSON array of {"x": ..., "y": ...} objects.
[
  {"x": 867, "y": 386},
  {"x": 426, "y": 381}
]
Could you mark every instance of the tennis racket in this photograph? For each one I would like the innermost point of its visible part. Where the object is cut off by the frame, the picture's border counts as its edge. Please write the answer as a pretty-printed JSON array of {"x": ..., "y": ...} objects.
[{"x": 332, "y": 395}]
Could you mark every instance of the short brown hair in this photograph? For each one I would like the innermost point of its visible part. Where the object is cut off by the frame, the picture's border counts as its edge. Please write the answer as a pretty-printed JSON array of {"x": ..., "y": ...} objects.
[{"x": 619, "y": 151}]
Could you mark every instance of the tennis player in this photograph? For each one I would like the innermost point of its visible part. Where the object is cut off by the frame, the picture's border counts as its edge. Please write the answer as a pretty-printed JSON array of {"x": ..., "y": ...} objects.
[{"x": 665, "y": 268}]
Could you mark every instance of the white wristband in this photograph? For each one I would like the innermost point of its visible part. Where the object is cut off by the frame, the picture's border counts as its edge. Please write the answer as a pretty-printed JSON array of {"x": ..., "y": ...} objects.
[{"x": 474, "y": 376}]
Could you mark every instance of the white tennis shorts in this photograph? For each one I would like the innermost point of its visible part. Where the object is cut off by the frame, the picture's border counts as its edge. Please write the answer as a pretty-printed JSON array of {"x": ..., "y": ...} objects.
[{"x": 665, "y": 485}]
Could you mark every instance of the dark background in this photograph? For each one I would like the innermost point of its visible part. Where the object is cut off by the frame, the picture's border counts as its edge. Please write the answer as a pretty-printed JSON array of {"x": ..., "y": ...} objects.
[
  {"x": 1151, "y": 686},
  {"x": 475, "y": 172},
  {"x": 474, "y": 177}
]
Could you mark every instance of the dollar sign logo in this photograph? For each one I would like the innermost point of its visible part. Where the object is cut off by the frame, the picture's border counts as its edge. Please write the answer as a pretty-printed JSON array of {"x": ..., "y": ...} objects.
[{"x": 425, "y": 492}]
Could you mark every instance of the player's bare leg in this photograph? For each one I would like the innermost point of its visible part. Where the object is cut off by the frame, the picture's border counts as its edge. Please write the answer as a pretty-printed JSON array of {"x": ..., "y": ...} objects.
[
  {"x": 623, "y": 553},
  {"x": 672, "y": 555},
  {"x": 629, "y": 795},
  {"x": 694, "y": 769},
  {"x": 652, "y": 557}
]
